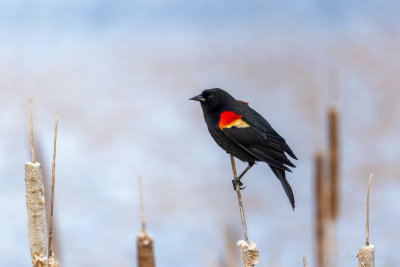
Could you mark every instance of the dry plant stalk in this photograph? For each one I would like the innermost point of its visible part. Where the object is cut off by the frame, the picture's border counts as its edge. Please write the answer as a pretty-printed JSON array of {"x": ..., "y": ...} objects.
[
  {"x": 319, "y": 215},
  {"x": 145, "y": 254},
  {"x": 367, "y": 228},
  {"x": 143, "y": 220},
  {"x": 247, "y": 248},
  {"x": 52, "y": 259},
  {"x": 333, "y": 161},
  {"x": 239, "y": 195},
  {"x": 330, "y": 196},
  {"x": 304, "y": 262},
  {"x": 36, "y": 211},
  {"x": 366, "y": 254},
  {"x": 32, "y": 150}
]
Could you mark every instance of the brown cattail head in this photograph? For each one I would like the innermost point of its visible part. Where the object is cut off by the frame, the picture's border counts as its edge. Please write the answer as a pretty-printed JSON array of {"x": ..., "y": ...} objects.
[
  {"x": 35, "y": 203},
  {"x": 249, "y": 252},
  {"x": 366, "y": 256},
  {"x": 333, "y": 162},
  {"x": 145, "y": 255}
]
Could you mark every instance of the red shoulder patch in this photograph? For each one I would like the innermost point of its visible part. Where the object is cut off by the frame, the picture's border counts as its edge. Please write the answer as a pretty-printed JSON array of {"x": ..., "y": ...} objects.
[
  {"x": 228, "y": 119},
  {"x": 243, "y": 102}
]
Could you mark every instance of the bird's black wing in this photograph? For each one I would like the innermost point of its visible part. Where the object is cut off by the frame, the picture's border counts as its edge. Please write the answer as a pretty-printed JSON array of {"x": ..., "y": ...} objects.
[
  {"x": 258, "y": 138},
  {"x": 258, "y": 144},
  {"x": 253, "y": 118}
]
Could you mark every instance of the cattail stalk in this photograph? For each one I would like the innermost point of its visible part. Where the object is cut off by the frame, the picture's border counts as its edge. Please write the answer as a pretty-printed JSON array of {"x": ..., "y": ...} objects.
[
  {"x": 239, "y": 196},
  {"x": 145, "y": 254},
  {"x": 367, "y": 228},
  {"x": 142, "y": 218},
  {"x": 247, "y": 248},
  {"x": 319, "y": 214},
  {"x": 366, "y": 254},
  {"x": 36, "y": 211},
  {"x": 333, "y": 161},
  {"x": 32, "y": 150},
  {"x": 52, "y": 260}
]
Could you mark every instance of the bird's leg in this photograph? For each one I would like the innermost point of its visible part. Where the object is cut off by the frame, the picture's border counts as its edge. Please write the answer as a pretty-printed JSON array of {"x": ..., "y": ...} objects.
[{"x": 237, "y": 179}]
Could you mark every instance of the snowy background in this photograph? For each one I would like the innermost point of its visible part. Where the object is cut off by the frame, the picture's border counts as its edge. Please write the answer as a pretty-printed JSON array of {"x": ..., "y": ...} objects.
[{"x": 119, "y": 74}]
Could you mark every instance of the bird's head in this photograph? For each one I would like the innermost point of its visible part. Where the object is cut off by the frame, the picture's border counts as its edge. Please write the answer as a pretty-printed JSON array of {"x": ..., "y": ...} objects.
[{"x": 213, "y": 99}]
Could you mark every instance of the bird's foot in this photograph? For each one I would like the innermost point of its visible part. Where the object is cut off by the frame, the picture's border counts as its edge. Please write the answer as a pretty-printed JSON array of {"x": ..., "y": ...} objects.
[{"x": 236, "y": 182}]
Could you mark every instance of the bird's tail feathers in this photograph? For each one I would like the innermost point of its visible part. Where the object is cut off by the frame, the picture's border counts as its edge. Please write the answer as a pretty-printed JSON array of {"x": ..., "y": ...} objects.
[
  {"x": 282, "y": 177},
  {"x": 290, "y": 152}
]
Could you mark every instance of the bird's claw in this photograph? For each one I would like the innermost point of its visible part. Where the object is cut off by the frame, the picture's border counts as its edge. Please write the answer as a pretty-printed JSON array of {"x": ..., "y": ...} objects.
[{"x": 236, "y": 182}]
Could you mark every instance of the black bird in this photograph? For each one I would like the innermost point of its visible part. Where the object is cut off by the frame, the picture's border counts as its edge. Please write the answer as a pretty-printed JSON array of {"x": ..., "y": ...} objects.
[{"x": 245, "y": 134}]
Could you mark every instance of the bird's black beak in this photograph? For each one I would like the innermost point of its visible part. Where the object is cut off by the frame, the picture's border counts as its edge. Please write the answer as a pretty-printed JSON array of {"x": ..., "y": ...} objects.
[{"x": 198, "y": 98}]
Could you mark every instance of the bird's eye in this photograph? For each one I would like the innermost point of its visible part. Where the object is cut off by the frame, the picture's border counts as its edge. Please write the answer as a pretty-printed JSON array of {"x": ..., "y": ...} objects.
[{"x": 210, "y": 97}]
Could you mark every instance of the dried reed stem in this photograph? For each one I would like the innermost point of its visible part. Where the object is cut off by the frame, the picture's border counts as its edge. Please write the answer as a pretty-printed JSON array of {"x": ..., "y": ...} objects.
[
  {"x": 367, "y": 234},
  {"x": 304, "y": 262},
  {"x": 366, "y": 254},
  {"x": 53, "y": 179},
  {"x": 247, "y": 248},
  {"x": 145, "y": 254},
  {"x": 333, "y": 161},
  {"x": 239, "y": 196},
  {"x": 320, "y": 203},
  {"x": 143, "y": 220},
  {"x": 30, "y": 112}
]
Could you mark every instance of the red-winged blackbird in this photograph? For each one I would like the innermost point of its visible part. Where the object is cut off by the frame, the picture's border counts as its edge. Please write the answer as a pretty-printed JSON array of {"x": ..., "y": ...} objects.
[{"x": 245, "y": 134}]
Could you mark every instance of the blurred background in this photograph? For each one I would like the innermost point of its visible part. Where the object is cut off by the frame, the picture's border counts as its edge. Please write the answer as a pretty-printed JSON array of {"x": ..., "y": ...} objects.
[{"x": 119, "y": 74}]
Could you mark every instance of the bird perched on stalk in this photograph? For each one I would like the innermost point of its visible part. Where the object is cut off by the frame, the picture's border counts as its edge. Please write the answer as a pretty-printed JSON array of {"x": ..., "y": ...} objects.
[{"x": 245, "y": 134}]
